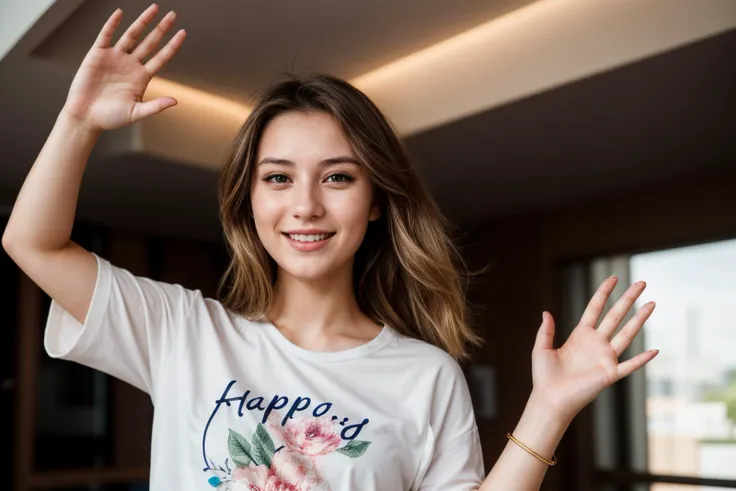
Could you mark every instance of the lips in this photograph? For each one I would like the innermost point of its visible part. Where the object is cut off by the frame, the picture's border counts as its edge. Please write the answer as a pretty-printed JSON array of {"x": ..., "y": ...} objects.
[
  {"x": 307, "y": 231},
  {"x": 308, "y": 246},
  {"x": 311, "y": 237}
]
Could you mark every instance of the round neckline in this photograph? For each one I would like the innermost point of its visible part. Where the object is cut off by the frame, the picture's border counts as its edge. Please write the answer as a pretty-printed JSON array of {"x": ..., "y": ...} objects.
[{"x": 382, "y": 339}]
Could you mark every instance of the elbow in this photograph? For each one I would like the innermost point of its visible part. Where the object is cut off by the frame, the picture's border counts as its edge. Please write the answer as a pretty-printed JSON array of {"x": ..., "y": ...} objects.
[
  {"x": 7, "y": 241},
  {"x": 12, "y": 246}
]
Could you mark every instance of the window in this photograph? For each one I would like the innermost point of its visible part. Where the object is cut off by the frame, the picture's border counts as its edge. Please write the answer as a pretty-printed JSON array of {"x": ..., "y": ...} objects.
[{"x": 672, "y": 425}]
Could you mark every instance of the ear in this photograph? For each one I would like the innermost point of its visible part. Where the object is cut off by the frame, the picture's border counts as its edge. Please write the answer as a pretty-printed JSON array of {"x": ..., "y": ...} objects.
[{"x": 375, "y": 212}]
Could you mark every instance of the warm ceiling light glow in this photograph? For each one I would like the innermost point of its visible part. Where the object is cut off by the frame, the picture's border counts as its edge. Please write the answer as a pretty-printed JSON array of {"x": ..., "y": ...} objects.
[
  {"x": 538, "y": 47},
  {"x": 386, "y": 77},
  {"x": 442, "y": 71},
  {"x": 502, "y": 29},
  {"x": 159, "y": 87}
]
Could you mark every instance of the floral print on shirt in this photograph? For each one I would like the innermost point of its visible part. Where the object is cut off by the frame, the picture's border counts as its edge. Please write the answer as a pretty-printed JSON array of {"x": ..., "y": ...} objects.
[{"x": 294, "y": 466}]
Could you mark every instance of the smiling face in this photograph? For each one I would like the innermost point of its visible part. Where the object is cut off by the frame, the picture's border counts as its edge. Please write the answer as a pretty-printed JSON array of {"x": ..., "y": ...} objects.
[{"x": 311, "y": 199}]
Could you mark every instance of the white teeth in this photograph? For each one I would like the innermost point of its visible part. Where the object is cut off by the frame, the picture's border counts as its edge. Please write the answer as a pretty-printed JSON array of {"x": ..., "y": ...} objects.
[{"x": 308, "y": 238}]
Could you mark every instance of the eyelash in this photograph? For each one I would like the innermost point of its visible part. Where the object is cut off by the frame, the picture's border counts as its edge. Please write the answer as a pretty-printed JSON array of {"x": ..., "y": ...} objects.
[{"x": 347, "y": 177}]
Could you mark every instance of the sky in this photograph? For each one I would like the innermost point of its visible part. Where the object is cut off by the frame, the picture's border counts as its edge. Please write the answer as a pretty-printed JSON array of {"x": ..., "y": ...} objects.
[{"x": 693, "y": 286}]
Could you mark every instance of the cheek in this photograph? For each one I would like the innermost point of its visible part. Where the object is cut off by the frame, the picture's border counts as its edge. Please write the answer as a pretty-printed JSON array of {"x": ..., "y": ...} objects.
[
  {"x": 264, "y": 206},
  {"x": 352, "y": 211}
]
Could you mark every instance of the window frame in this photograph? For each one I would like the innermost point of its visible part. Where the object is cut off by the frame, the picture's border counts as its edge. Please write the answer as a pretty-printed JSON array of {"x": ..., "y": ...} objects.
[{"x": 618, "y": 408}]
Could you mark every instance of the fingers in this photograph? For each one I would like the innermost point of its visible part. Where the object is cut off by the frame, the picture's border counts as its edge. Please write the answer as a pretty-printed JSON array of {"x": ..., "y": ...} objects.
[
  {"x": 105, "y": 35},
  {"x": 130, "y": 36},
  {"x": 546, "y": 333},
  {"x": 145, "y": 109},
  {"x": 620, "y": 309},
  {"x": 628, "y": 367},
  {"x": 154, "y": 37},
  {"x": 165, "y": 54},
  {"x": 623, "y": 339},
  {"x": 595, "y": 306}
]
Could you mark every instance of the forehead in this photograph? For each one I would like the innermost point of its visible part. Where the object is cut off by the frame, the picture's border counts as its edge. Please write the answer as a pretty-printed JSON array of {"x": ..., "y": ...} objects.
[{"x": 303, "y": 137}]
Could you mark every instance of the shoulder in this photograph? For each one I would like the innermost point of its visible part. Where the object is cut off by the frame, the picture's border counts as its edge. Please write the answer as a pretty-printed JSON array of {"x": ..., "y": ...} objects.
[
  {"x": 426, "y": 356},
  {"x": 209, "y": 318},
  {"x": 438, "y": 380}
]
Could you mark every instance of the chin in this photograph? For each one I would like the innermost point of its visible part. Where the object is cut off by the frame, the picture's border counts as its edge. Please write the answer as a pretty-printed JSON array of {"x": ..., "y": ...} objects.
[
  {"x": 305, "y": 273},
  {"x": 311, "y": 269}
]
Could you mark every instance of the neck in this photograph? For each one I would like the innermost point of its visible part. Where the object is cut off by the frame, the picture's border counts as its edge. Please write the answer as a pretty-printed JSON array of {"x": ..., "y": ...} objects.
[{"x": 317, "y": 309}]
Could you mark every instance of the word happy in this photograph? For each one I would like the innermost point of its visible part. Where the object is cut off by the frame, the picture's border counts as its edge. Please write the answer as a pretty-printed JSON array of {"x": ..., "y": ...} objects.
[{"x": 298, "y": 405}]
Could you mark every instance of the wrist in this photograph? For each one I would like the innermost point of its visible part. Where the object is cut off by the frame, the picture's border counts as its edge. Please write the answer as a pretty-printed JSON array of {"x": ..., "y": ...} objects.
[
  {"x": 556, "y": 408},
  {"x": 76, "y": 124},
  {"x": 547, "y": 411},
  {"x": 541, "y": 426}
]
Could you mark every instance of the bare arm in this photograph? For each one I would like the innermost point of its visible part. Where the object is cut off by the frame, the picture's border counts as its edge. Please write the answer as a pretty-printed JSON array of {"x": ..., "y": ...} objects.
[
  {"x": 541, "y": 430},
  {"x": 106, "y": 94},
  {"x": 567, "y": 379},
  {"x": 38, "y": 233}
]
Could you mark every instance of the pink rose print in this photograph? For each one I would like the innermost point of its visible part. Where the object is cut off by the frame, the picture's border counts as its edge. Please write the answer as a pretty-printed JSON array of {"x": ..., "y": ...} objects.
[
  {"x": 251, "y": 478},
  {"x": 308, "y": 436},
  {"x": 290, "y": 471}
]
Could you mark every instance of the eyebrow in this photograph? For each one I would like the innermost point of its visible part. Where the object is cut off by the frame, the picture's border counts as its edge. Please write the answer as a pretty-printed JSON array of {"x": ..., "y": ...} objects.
[{"x": 343, "y": 159}]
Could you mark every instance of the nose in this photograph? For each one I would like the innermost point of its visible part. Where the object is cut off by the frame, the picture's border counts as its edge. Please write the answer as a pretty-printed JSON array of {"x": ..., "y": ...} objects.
[{"x": 307, "y": 201}]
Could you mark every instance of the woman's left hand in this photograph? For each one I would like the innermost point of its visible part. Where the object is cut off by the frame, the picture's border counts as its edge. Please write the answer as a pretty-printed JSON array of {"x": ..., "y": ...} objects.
[{"x": 569, "y": 378}]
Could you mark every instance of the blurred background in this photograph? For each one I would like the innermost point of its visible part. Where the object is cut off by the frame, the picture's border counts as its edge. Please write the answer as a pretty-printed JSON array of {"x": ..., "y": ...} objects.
[{"x": 568, "y": 140}]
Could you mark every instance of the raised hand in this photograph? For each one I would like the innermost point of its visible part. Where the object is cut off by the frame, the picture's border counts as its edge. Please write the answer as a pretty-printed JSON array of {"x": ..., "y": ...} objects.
[
  {"x": 107, "y": 91},
  {"x": 570, "y": 378}
]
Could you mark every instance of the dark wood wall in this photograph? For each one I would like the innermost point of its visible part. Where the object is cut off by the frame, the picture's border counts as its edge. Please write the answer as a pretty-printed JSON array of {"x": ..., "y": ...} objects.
[
  {"x": 528, "y": 253},
  {"x": 125, "y": 446}
]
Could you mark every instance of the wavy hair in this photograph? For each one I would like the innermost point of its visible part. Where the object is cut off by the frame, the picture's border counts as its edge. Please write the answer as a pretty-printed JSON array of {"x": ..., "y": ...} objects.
[{"x": 407, "y": 272}]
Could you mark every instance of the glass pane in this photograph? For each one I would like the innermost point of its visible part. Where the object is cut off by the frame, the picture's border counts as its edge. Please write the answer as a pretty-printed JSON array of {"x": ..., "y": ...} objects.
[
  {"x": 72, "y": 402},
  {"x": 691, "y": 384},
  {"x": 72, "y": 427}
]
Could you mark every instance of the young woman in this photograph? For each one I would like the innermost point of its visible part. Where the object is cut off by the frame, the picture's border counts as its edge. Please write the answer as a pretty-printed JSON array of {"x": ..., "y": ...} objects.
[{"x": 332, "y": 361}]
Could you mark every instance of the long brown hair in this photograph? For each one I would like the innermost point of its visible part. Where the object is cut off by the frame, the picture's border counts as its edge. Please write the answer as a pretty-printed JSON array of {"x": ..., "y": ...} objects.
[{"x": 407, "y": 273}]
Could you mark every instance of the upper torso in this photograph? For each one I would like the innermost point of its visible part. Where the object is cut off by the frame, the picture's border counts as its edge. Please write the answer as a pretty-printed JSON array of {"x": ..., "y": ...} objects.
[{"x": 238, "y": 406}]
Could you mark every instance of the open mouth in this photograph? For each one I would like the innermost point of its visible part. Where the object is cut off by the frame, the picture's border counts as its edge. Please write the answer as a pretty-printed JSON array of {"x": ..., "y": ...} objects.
[{"x": 309, "y": 238}]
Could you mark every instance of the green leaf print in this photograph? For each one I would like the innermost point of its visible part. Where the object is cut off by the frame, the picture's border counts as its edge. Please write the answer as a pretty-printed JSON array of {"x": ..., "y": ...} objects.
[
  {"x": 263, "y": 448},
  {"x": 354, "y": 449},
  {"x": 239, "y": 448}
]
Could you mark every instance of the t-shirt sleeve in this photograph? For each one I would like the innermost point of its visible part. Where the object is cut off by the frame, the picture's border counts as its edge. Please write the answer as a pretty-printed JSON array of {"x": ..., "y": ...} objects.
[
  {"x": 457, "y": 458},
  {"x": 130, "y": 328}
]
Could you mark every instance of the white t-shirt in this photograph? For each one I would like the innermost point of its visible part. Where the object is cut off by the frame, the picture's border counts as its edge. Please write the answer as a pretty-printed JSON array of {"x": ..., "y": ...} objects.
[{"x": 238, "y": 406}]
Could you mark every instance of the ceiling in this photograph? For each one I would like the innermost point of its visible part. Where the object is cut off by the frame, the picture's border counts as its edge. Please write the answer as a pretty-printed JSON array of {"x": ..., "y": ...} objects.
[
  {"x": 233, "y": 49},
  {"x": 666, "y": 118},
  {"x": 663, "y": 115}
]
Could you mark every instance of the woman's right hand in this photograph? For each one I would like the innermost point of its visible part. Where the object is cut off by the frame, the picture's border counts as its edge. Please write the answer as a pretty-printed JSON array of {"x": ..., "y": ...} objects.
[{"x": 107, "y": 91}]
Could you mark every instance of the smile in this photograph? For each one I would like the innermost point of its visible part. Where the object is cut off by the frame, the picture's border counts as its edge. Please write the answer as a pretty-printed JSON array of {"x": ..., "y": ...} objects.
[
  {"x": 306, "y": 243},
  {"x": 310, "y": 238}
]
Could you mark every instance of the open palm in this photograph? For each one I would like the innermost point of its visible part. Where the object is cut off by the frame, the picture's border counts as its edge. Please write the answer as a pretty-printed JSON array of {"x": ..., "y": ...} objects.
[
  {"x": 570, "y": 377},
  {"x": 107, "y": 91}
]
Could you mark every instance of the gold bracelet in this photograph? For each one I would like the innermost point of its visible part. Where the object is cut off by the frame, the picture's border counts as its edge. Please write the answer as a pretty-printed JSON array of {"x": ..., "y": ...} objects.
[{"x": 548, "y": 462}]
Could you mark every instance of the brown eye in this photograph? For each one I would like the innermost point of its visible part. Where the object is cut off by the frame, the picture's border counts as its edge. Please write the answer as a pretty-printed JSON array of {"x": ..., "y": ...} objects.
[
  {"x": 276, "y": 178},
  {"x": 341, "y": 177}
]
